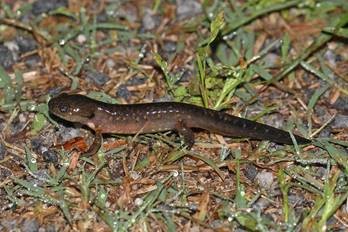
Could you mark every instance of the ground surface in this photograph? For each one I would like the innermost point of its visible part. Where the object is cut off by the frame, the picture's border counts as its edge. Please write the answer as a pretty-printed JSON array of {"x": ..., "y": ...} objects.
[{"x": 283, "y": 63}]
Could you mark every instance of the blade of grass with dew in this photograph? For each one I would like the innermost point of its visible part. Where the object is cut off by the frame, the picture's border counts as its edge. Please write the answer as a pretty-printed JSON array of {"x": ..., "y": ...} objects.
[
  {"x": 285, "y": 47},
  {"x": 337, "y": 23},
  {"x": 19, "y": 85},
  {"x": 322, "y": 76},
  {"x": 6, "y": 85},
  {"x": 208, "y": 161},
  {"x": 86, "y": 180},
  {"x": 74, "y": 54},
  {"x": 30, "y": 161},
  {"x": 312, "y": 102},
  {"x": 305, "y": 181},
  {"x": 38, "y": 123},
  {"x": 230, "y": 86},
  {"x": 342, "y": 32},
  {"x": 339, "y": 155},
  {"x": 201, "y": 56},
  {"x": 63, "y": 11},
  {"x": 40, "y": 194},
  {"x": 325, "y": 205},
  {"x": 261, "y": 71},
  {"x": 240, "y": 200},
  {"x": 233, "y": 25},
  {"x": 11, "y": 196},
  {"x": 284, "y": 188},
  {"x": 149, "y": 200},
  {"x": 170, "y": 79},
  {"x": 112, "y": 219},
  {"x": 216, "y": 26},
  {"x": 332, "y": 201}
]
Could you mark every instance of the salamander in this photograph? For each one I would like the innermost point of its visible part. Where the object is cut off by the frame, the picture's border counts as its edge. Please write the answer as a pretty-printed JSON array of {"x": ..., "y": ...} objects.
[{"x": 104, "y": 118}]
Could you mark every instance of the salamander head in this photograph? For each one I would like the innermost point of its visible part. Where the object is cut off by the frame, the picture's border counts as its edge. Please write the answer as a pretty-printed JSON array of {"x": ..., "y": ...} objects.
[{"x": 72, "y": 108}]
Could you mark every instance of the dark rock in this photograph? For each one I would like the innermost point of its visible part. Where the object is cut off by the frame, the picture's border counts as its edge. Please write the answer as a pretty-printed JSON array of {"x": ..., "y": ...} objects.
[
  {"x": 2, "y": 151},
  {"x": 44, "y": 6},
  {"x": 123, "y": 92},
  {"x": 36, "y": 144},
  {"x": 250, "y": 171},
  {"x": 102, "y": 17},
  {"x": 342, "y": 103},
  {"x": 340, "y": 121},
  {"x": 32, "y": 61},
  {"x": 96, "y": 77},
  {"x": 6, "y": 57},
  {"x": 261, "y": 204},
  {"x": 183, "y": 74},
  {"x": 187, "y": 8},
  {"x": 169, "y": 46},
  {"x": 4, "y": 173},
  {"x": 25, "y": 44},
  {"x": 137, "y": 80},
  {"x": 30, "y": 225},
  {"x": 50, "y": 156}
]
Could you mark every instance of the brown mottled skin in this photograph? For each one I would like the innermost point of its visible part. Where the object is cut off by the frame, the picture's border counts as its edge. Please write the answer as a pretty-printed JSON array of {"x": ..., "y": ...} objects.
[{"x": 156, "y": 117}]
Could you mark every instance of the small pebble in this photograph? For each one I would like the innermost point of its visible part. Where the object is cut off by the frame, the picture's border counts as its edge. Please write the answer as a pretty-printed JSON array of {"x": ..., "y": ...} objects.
[
  {"x": 33, "y": 61},
  {"x": 250, "y": 171},
  {"x": 81, "y": 38},
  {"x": 150, "y": 20},
  {"x": 96, "y": 77},
  {"x": 2, "y": 151},
  {"x": 5, "y": 173},
  {"x": 340, "y": 121},
  {"x": 123, "y": 92},
  {"x": 265, "y": 179},
  {"x": 138, "y": 201},
  {"x": 50, "y": 156},
  {"x": 6, "y": 57},
  {"x": 342, "y": 103},
  {"x": 25, "y": 44},
  {"x": 110, "y": 63},
  {"x": 187, "y": 8},
  {"x": 30, "y": 225},
  {"x": 137, "y": 80},
  {"x": 271, "y": 60},
  {"x": 331, "y": 57},
  {"x": 261, "y": 204},
  {"x": 102, "y": 17},
  {"x": 169, "y": 46}
]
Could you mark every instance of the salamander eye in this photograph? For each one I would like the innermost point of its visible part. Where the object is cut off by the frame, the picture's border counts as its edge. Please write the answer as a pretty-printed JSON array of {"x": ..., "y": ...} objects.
[{"x": 63, "y": 108}]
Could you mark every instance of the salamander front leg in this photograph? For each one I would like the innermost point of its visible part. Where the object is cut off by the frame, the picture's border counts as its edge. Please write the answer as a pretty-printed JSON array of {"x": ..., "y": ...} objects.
[
  {"x": 186, "y": 133},
  {"x": 93, "y": 149}
]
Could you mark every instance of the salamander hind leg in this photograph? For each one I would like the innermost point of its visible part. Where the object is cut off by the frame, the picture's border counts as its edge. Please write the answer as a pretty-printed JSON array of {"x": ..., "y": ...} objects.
[
  {"x": 93, "y": 149},
  {"x": 186, "y": 133}
]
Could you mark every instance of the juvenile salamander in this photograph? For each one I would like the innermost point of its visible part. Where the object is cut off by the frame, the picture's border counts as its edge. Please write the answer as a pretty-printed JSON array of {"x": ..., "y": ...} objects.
[{"x": 156, "y": 117}]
